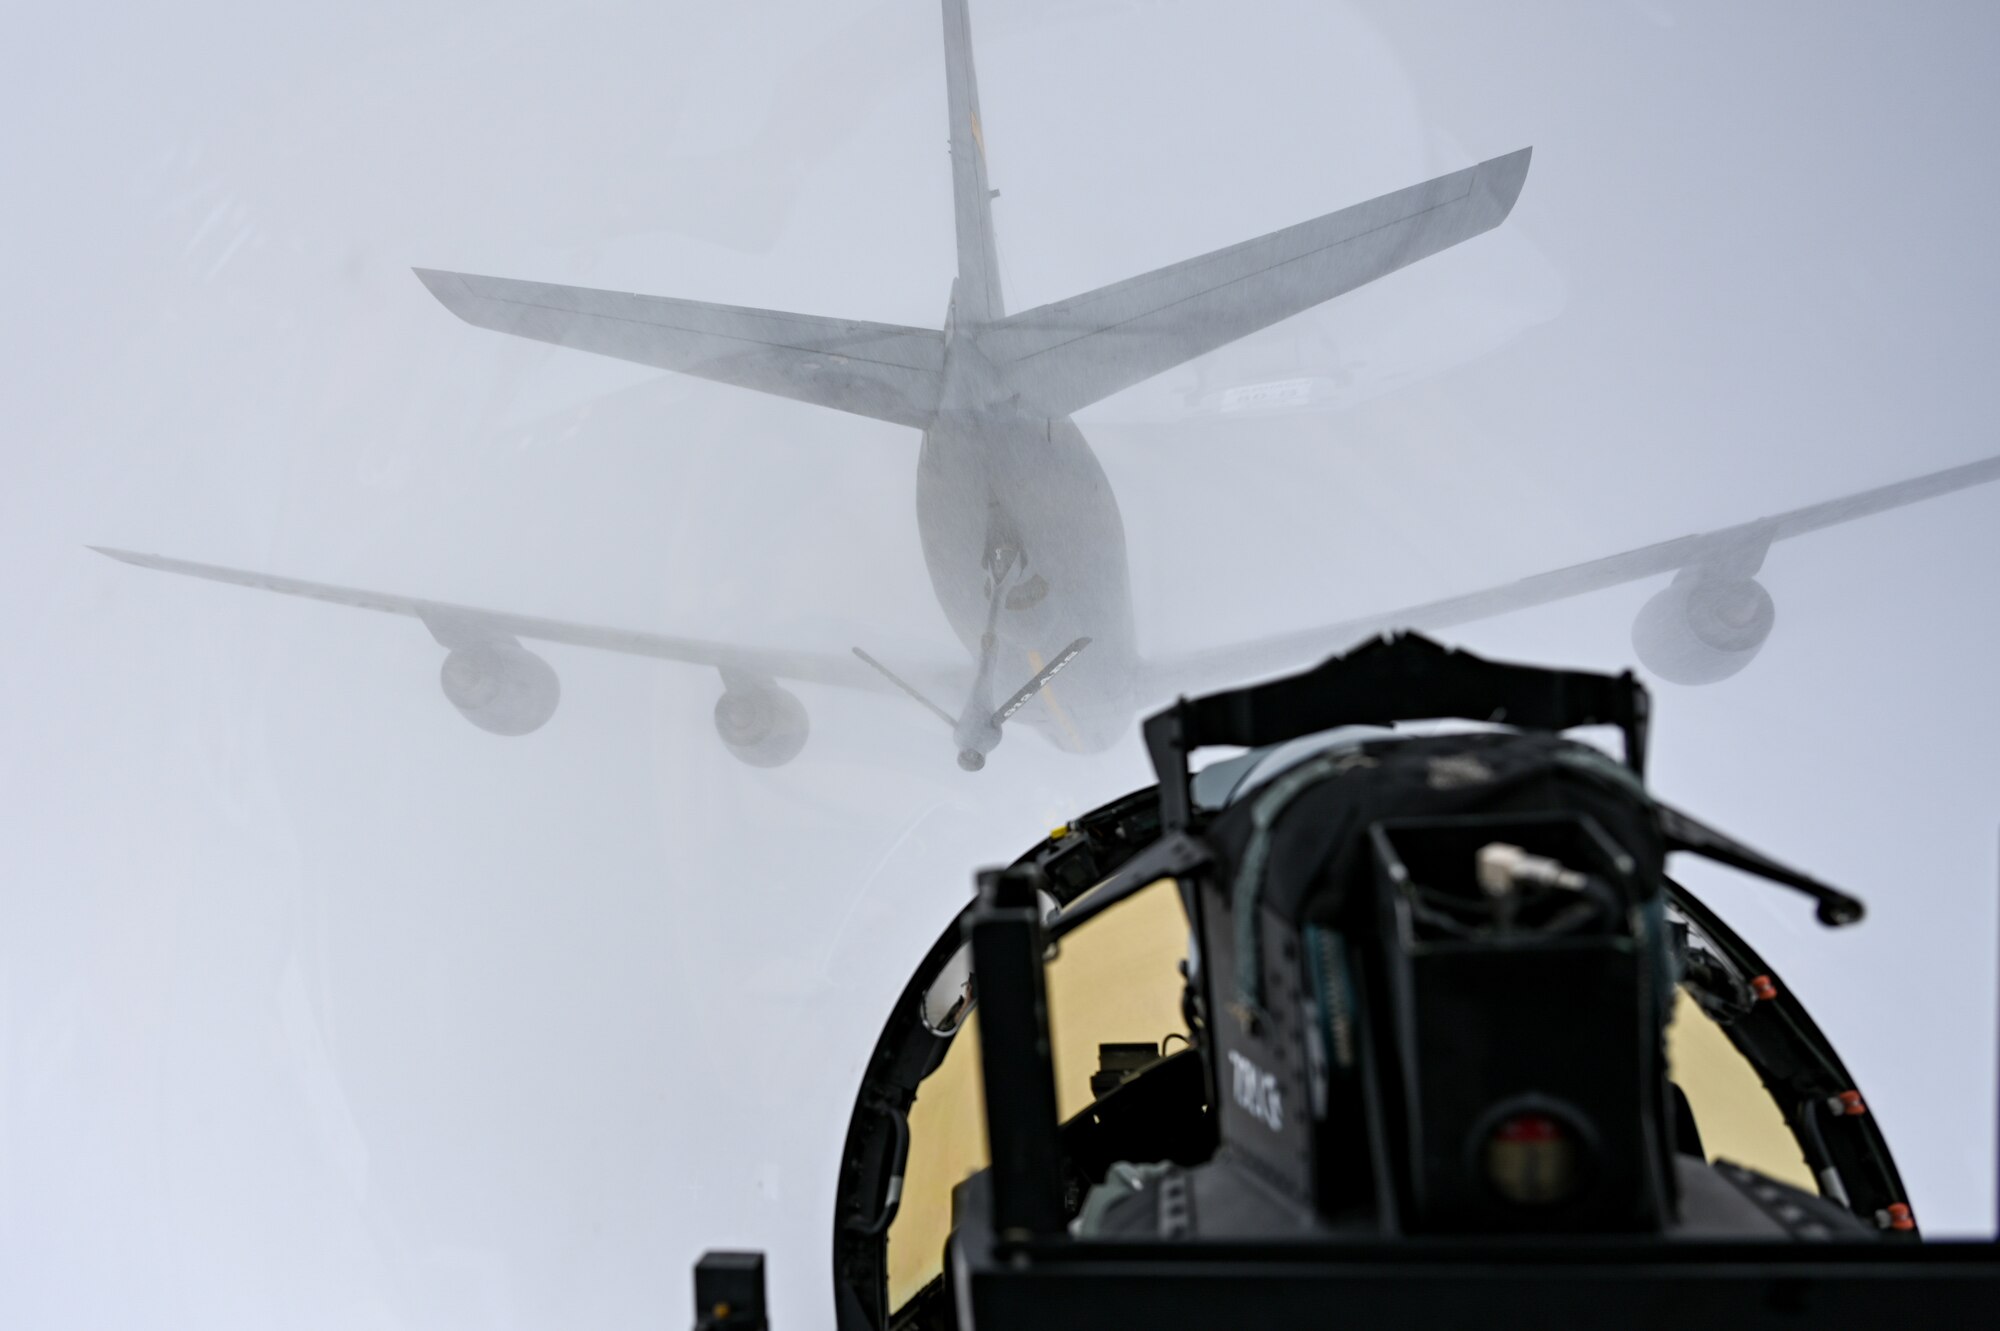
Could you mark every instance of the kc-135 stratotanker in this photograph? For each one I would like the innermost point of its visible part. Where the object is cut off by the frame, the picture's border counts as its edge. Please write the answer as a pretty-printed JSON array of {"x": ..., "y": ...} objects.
[
  {"x": 1021, "y": 532},
  {"x": 1398, "y": 1018}
]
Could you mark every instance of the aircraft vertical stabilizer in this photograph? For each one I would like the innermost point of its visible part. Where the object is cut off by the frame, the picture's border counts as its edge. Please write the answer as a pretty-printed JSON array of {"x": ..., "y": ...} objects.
[{"x": 978, "y": 295}]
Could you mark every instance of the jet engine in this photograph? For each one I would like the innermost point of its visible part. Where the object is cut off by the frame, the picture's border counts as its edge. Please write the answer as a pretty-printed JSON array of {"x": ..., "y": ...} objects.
[
  {"x": 501, "y": 686},
  {"x": 760, "y": 723},
  {"x": 1704, "y": 627}
]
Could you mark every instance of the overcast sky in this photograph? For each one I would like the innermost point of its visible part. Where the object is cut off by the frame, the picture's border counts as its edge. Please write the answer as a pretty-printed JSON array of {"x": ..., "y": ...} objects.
[{"x": 319, "y": 1007}]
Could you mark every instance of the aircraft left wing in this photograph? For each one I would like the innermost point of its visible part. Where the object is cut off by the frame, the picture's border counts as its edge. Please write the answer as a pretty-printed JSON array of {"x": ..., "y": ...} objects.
[
  {"x": 459, "y": 625},
  {"x": 1730, "y": 552}
]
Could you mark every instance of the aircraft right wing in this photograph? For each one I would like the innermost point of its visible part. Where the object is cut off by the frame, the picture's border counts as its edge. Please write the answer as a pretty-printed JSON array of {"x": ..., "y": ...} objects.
[
  {"x": 885, "y": 371},
  {"x": 1066, "y": 355},
  {"x": 1731, "y": 551},
  {"x": 459, "y": 625}
]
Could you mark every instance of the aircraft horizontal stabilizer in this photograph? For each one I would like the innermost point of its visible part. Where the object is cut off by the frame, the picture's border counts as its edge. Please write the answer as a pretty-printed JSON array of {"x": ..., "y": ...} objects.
[
  {"x": 1066, "y": 355},
  {"x": 883, "y": 371}
]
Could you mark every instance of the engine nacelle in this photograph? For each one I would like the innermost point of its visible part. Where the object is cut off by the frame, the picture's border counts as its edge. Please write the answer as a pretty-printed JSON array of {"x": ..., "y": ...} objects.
[
  {"x": 1704, "y": 627},
  {"x": 501, "y": 687},
  {"x": 761, "y": 724}
]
